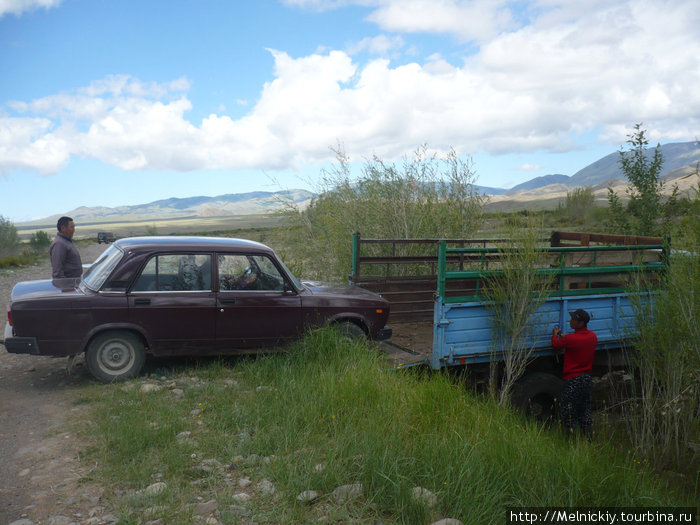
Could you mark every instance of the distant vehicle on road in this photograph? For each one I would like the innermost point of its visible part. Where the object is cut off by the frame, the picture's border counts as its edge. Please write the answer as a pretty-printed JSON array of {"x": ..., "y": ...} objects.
[
  {"x": 170, "y": 296},
  {"x": 106, "y": 237}
]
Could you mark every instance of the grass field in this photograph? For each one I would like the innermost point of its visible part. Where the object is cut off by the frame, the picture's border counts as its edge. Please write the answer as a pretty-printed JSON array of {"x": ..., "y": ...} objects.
[
  {"x": 248, "y": 436},
  {"x": 184, "y": 226}
]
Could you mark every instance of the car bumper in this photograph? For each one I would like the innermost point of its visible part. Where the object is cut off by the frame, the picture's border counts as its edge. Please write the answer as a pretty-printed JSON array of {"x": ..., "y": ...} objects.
[
  {"x": 19, "y": 345},
  {"x": 383, "y": 334}
]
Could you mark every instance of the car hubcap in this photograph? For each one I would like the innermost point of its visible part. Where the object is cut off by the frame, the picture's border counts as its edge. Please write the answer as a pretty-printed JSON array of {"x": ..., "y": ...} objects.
[{"x": 116, "y": 356}]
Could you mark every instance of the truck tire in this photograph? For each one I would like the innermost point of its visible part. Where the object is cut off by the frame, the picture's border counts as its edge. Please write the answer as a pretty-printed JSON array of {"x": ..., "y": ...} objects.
[
  {"x": 536, "y": 393},
  {"x": 115, "y": 356}
]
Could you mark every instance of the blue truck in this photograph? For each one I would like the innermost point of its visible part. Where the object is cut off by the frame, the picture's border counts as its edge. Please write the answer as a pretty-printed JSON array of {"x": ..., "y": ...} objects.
[{"x": 443, "y": 317}]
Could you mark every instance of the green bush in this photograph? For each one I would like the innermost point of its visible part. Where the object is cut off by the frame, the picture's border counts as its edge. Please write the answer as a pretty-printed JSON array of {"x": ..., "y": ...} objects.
[
  {"x": 513, "y": 297},
  {"x": 646, "y": 212},
  {"x": 577, "y": 206},
  {"x": 17, "y": 261},
  {"x": 39, "y": 241},
  {"x": 9, "y": 240},
  {"x": 664, "y": 420},
  {"x": 426, "y": 196}
]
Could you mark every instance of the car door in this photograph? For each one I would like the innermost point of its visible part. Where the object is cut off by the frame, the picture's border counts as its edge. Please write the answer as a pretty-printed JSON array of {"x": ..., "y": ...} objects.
[
  {"x": 256, "y": 304},
  {"x": 173, "y": 301}
]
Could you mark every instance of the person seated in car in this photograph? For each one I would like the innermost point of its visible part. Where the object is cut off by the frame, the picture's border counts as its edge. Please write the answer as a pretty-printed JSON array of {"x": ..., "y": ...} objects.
[{"x": 248, "y": 280}]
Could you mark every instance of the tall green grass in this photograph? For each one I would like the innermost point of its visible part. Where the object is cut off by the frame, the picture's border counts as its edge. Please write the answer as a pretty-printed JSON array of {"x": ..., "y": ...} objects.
[
  {"x": 329, "y": 413},
  {"x": 663, "y": 416}
]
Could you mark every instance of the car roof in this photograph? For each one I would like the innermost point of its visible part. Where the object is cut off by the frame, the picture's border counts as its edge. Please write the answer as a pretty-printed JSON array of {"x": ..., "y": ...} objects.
[{"x": 190, "y": 243}]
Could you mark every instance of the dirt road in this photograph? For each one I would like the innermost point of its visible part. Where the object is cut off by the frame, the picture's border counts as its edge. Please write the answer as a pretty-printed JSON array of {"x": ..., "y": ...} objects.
[{"x": 41, "y": 477}]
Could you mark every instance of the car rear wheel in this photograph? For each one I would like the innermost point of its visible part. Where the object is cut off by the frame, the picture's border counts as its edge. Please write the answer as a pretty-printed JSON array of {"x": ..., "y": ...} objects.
[{"x": 115, "y": 356}]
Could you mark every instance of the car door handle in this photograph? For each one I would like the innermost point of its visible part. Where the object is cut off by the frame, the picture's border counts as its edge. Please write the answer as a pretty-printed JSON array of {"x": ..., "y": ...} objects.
[
  {"x": 230, "y": 300},
  {"x": 142, "y": 301}
]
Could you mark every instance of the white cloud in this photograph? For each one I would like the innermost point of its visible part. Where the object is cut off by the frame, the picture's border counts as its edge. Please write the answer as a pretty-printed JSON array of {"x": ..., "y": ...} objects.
[
  {"x": 31, "y": 143},
  {"x": 469, "y": 20},
  {"x": 572, "y": 71},
  {"x": 378, "y": 45},
  {"x": 17, "y": 7},
  {"x": 530, "y": 167},
  {"x": 466, "y": 19}
]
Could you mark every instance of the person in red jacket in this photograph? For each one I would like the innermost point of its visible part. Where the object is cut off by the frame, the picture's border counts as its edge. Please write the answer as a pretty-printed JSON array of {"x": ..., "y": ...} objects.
[{"x": 579, "y": 349}]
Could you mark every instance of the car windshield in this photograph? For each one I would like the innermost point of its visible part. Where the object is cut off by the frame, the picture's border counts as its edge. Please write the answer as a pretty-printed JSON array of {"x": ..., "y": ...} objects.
[
  {"x": 296, "y": 281},
  {"x": 102, "y": 267}
]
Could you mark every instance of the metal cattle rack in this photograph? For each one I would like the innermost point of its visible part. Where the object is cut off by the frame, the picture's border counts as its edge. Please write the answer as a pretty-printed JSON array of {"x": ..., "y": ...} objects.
[{"x": 413, "y": 273}]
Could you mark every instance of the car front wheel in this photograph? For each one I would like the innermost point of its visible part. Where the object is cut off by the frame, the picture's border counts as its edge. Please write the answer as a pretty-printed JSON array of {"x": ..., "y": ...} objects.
[
  {"x": 351, "y": 331},
  {"x": 115, "y": 356}
]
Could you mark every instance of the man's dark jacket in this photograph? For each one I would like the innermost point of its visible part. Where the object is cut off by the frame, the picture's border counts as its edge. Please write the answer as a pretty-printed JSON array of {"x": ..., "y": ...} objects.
[{"x": 65, "y": 258}]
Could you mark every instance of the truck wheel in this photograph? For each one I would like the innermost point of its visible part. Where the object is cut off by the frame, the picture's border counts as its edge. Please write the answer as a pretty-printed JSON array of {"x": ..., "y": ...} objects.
[
  {"x": 115, "y": 356},
  {"x": 350, "y": 330},
  {"x": 535, "y": 394}
]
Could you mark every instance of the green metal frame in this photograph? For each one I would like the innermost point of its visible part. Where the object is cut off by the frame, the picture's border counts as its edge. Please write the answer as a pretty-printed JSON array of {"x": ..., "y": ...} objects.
[{"x": 562, "y": 271}]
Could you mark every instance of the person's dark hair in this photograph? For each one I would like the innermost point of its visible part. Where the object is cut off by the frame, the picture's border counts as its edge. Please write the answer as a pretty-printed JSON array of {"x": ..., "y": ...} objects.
[
  {"x": 63, "y": 221},
  {"x": 581, "y": 315}
]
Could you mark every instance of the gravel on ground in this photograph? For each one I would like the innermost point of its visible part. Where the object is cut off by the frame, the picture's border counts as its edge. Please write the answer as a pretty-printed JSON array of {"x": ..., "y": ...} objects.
[{"x": 41, "y": 475}]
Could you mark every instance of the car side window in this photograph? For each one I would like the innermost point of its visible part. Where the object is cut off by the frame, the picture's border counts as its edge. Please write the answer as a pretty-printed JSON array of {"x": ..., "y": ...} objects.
[
  {"x": 248, "y": 272},
  {"x": 175, "y": 272}
]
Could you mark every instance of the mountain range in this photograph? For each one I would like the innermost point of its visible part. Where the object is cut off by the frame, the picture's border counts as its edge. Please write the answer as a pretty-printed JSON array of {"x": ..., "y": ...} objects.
[{"x": 680, "y": 162}]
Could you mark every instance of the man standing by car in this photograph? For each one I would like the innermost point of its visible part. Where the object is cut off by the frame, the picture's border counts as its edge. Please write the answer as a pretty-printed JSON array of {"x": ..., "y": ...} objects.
[
  {"x": 65, "y": 258},
  {"x": 579, "y": 349}
]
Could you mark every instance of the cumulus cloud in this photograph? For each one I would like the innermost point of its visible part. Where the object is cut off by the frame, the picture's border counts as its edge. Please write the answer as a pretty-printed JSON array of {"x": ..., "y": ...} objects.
[
  {"x": 469, "y": 20},
  {"x": 465, "y": 19},
  {"x": 31, "y": 143},
  {"x": 571, "y": 71},
  {"x": 17, "y": 7}
]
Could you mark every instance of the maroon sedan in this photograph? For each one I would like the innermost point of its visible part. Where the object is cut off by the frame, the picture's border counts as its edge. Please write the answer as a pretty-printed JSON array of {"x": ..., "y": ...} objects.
[{"x": 171, "y": 296}]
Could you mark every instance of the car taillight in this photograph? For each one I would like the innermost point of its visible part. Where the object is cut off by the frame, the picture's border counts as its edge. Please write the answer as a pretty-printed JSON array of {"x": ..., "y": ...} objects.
[{"x": 9, "y": 317}]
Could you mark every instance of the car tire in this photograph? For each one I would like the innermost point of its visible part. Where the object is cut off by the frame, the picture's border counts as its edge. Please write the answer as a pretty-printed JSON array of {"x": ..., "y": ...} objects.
[
  {"x": 535, "y": 394},
  {"x": 350, "y": 330},
  {"x": 115, "y": 356}
]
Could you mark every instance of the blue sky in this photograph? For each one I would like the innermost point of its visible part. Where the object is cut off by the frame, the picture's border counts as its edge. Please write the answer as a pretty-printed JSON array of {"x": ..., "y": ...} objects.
[{"x": 114, "y": 102}]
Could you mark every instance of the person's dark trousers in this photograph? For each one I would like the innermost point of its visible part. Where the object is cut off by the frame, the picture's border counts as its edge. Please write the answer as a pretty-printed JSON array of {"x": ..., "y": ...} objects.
[{"x": 575, "y": 404}]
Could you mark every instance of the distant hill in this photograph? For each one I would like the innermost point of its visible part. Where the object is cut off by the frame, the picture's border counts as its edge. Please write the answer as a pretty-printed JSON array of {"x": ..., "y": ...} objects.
[
  {"x": 680, "y": 158},
  {"x": 546, "y": 191},
  {"x": 676, "y": 155},
  {"x": 251, "y": 203},
  {"x": 539, "y": 182},
  {"x": 487, "y": 190},
  {"x": 679, "y": 169}
]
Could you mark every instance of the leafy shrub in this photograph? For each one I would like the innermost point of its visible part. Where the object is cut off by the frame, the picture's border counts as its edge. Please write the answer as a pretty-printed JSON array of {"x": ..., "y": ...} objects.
[
  {"x": 39, "y": 241},
  {"x": 427, "y": 197},
  {"x": 17, "y": 261},
  {"x": 578, "y": 205},
  {"x": 646, "y": 212},
  {"x": 664, "y": 423},
  {"x": 514, "y": 296},
  {"x": 9, "y": 240}
]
